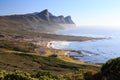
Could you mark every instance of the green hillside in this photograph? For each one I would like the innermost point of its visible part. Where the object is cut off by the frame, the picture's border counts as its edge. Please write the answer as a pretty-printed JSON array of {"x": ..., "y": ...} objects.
[{"x": 20, "y": 55}]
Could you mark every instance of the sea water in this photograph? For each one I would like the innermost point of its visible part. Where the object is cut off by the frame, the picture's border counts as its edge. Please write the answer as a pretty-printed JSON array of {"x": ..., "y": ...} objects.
[{"x": 93, "y": 51}]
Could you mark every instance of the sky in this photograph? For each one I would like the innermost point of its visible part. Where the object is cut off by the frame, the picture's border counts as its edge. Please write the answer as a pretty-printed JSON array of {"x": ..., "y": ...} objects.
[{"x": 83, "y": 12}]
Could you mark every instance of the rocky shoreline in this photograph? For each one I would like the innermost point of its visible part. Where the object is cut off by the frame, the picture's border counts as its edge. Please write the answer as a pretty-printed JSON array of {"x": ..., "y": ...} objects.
[
  {"x": 67, "y": 52},
  {"x": 45, "y": 44},
  {"x": 74, "y": 54}
]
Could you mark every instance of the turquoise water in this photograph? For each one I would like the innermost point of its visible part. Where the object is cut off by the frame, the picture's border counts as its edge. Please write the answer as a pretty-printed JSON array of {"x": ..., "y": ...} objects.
[{"x": 95, "y": 51}]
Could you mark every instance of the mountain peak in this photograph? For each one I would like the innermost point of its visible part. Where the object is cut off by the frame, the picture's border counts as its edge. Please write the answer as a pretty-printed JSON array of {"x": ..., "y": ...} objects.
[
  {"x": 44, "y": 15},
  {"x": 47, "y": 16},
  {"x": 68, "y": 20},
  {"x": 45, "y": 11},
  {"x": 68, "y": 17}
]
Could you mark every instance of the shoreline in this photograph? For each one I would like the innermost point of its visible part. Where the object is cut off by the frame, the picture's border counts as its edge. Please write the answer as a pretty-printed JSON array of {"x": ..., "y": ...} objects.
[
  {"x": 47, "y": 51},
  {"x": 68, "y": 52},
  {"x": 47, "y": 42}
]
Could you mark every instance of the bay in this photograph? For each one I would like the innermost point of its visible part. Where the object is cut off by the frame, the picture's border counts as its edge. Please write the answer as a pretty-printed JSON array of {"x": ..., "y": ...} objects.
[{"x": 95, "y": 51}]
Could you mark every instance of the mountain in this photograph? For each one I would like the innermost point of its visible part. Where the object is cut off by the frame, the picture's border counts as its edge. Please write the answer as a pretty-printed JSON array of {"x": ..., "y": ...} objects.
[
  {"x": 45, "y": 15},
  {"x": 43, "y": 21}
]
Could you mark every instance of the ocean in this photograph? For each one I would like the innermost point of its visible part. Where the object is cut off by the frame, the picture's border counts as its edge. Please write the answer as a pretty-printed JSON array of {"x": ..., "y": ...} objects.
[{"x": 93, "y": 51}]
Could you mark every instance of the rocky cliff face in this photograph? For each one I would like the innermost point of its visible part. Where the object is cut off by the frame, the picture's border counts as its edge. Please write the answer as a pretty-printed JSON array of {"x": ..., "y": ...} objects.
[
  {"x": 69, "y": 20},
  {"x": 41, "y": 22},
  {"x": 45, "y": 15}
]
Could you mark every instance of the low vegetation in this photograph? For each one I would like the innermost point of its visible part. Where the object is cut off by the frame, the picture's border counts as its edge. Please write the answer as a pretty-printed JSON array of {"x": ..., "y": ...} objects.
[
  {"x": 66, "y": 38},
  {"x": 40, "y": 75},
  {"x": 19, "y": 61},
  {"x": 111, "y": 70},
  {"x": 17, "y": 75},
  {"x": 19, "y": 64},
  {"x": 17, "y": 45}
]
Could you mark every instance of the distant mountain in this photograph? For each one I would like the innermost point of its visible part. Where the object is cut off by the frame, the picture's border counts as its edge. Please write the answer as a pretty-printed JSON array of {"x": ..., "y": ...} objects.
[
  {"x": 43, "y": 21},
  {"x": 45, "y": 15}
]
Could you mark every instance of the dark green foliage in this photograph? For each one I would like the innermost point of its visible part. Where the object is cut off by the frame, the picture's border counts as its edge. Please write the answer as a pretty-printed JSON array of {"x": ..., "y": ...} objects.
[
  {"x": 90, "y": 75},
  {"x": 43, "y": 73},
  {"x": 46, "y": 75},
  {"x": 3, "y": 74},
  {"x": 111, "y": 69},
  {"x": 54, "y": 55},
  {"x": 73, "y": 76},
  {"x": 17, "y": 75},
  {"x": 98, "y": 76},
  {"x": 55, "y": 64}
]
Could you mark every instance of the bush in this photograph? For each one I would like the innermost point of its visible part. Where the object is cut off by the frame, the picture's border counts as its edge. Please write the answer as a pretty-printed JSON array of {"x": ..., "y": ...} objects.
[
  {"x": 89, "y": 75},
  {"x": 111, "y": 69},
  {"x": 17, "y": 75},
  {"x": 43, "y": 73},
  {"x": 3, "y": 74},
  {"x": 17, "y": 45},
  {"x": 46, "y": 75},
  {"x": 44, "y": 78},
  {"x": 74, "y": 76},
  {"x": 53, "y": 55}
]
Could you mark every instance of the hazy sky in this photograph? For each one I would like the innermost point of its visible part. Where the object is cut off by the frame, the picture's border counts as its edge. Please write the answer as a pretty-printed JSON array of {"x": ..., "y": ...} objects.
[{"x": 83, "y": 12}]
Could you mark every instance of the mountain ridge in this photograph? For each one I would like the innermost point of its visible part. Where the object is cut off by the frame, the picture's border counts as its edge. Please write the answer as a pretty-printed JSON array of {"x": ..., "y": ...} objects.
[
  {"x": 46, "y": 15},
  {"x": 43, "y": 21}
]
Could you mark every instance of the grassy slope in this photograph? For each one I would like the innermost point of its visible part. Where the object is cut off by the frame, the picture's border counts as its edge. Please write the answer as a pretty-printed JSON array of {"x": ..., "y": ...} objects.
[
  {"x": 32, "y": 63},
  {"x": 29, "y": 61}
]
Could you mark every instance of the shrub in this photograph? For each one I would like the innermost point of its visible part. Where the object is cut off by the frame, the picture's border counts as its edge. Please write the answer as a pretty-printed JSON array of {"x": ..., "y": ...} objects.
[
  {"x": 74, "y": 76},
  {"x": 43, "y": 73},
  {"x": 17, "y": 75},
  {"x": 53, "y": 55},
  {"x": 89, "y": 75},
  {"x": 46, "y": 75},
  {"x": 44, "y": 78},
  {"x": 111, "y": 69},
  {"x": 3, "y": 74},
  {"x": 17, "y": 45}
]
